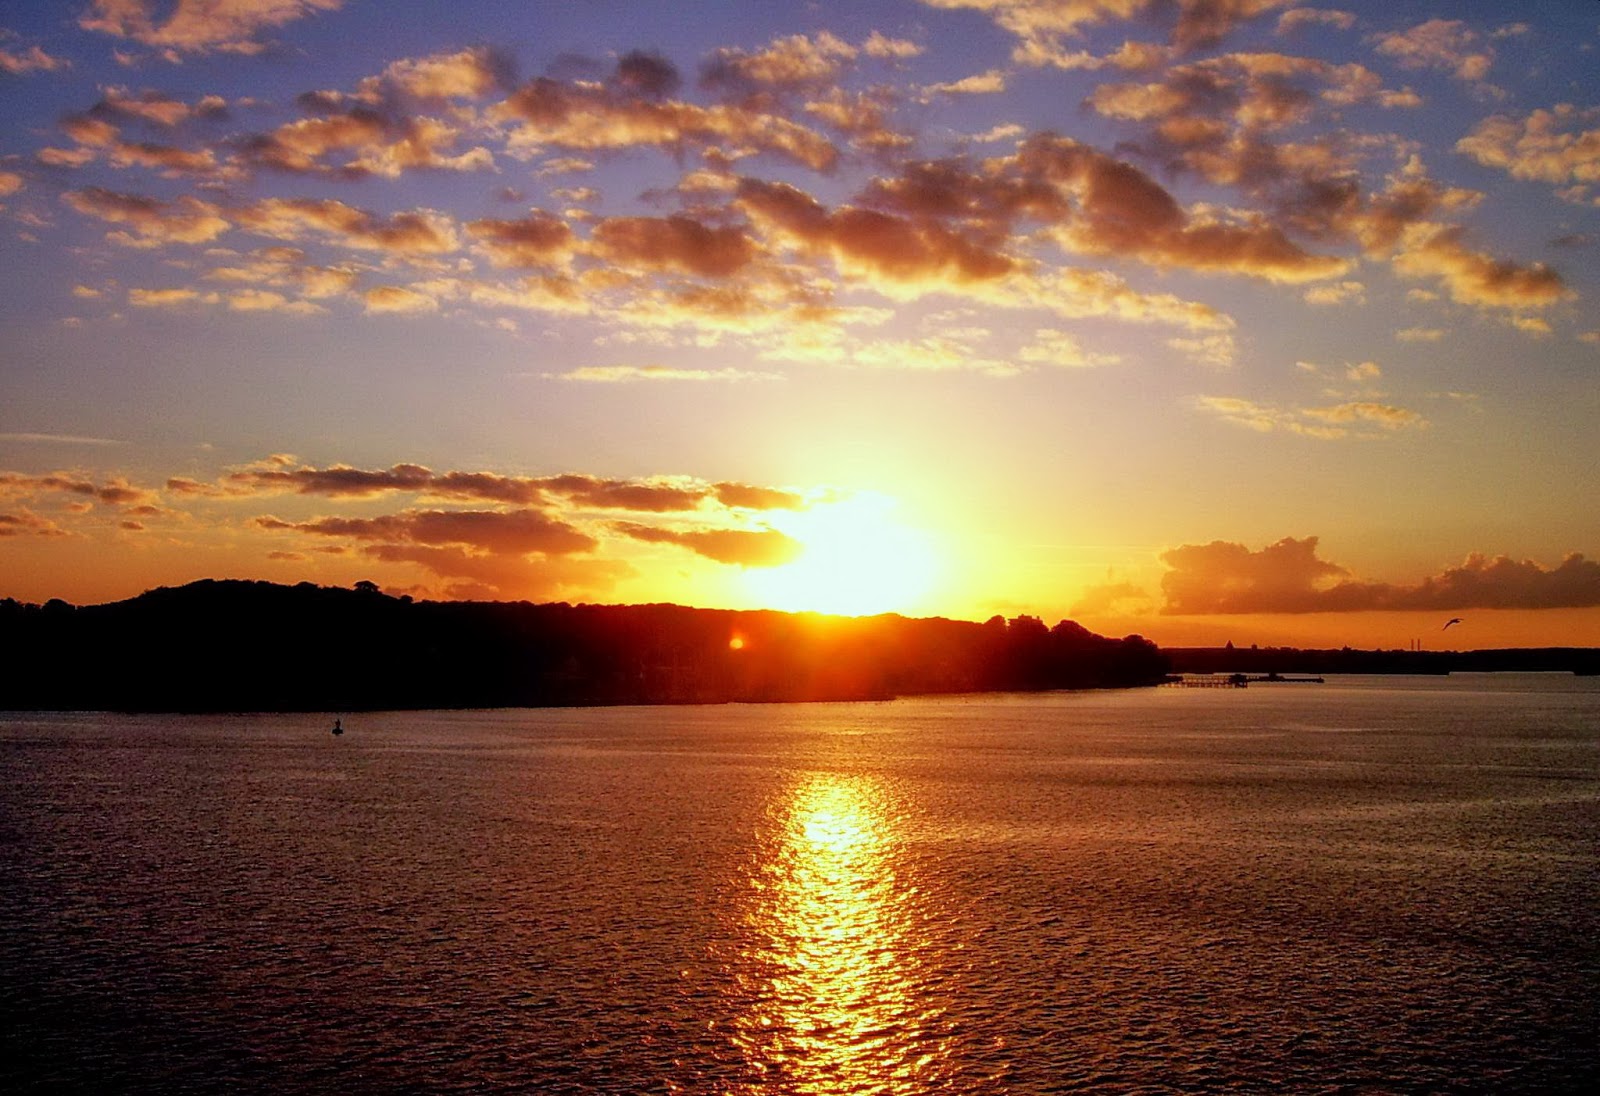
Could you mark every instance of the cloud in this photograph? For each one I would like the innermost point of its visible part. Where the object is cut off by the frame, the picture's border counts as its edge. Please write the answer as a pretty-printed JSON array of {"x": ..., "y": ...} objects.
[
  {"x": 1343, "y": 420},
  {"x": 1043, "y": 27},
  {"x": 1444, "y": 44},
  {"x": 116, "y": 491},
  {"x": 198, "y": 26},
  {"x": 1107, "y": 598},
  {"x": 280, "y": 267},
  {"x": 1336, "y": 294},
  {"x": 396, "y": 299},
  {"x": 537, "y": 240},
  {"x": 58, "y": 439},
  {"x": 497, "y": 532},
  {"x": 584, "y": 117},
  {"x": 1296, "y": 19},
  {"x": 1474, "y": 278},
  {"x": 385, "y": 144},
  {"x": 33, "y": 59},
  {"x": 625, "y": 374},
  {"x": 678, "y": 243},
  {"x": 1122, "y": 211},
  {"x": 745, "y": 496},
  {"x": 1545, "y": 145},
  {"x": 1052, "y": 347},
  {"x": 741, "y": 547},
  {"x": 152, "y": 107},
  {"x": 10, "y": 183},
  {"x": 169, "y": 298},
  {"x": 1288, "y": 577},
  {"x": 25, "y": 523},
  {"x": 1420, "y": 334},
  {"x": 498, "y": 575},
  {"x": 282, "y": 474},
  {"x": 867, "y": 243},
  {"x": 184, "y": 220},
  {"x": 466, "y": 74},
  {"x": 417, "y": 232},
  {"x": 861, "y": 116},
  {"x": 1092, "y": 203},
  {"x": 794, "y": 62}
]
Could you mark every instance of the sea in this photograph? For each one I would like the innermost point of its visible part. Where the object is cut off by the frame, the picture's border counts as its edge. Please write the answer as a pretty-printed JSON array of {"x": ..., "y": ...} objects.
[{"x": 1371, "y": 885}]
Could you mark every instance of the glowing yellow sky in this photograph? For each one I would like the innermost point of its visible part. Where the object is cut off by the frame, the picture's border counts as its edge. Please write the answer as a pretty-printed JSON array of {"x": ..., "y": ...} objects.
[{"x": 1252, "y": 322}]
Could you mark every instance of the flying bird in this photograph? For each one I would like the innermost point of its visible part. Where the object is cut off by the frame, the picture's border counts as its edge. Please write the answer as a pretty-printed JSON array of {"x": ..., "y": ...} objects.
[{"x": 1452, "y": 620}]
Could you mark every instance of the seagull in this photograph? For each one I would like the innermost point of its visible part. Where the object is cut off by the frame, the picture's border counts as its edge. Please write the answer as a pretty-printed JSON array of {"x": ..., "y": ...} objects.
[{"x": 1452, "y": 620}]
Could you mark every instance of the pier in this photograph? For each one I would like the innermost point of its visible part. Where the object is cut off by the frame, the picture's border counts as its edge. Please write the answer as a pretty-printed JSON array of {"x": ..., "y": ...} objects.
[{"x": 1235, "y": 681}]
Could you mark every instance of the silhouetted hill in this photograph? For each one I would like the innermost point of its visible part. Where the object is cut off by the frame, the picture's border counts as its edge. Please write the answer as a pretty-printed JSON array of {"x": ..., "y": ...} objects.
[{"x": 256, "y": 646}]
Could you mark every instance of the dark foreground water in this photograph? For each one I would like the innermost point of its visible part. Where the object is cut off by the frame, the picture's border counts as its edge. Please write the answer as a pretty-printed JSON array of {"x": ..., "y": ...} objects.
[{"x": 1366, "y": 886}]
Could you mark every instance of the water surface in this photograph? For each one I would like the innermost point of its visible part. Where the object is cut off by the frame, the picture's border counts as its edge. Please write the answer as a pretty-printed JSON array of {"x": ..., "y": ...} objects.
[{"x": 1371, "y": 885}]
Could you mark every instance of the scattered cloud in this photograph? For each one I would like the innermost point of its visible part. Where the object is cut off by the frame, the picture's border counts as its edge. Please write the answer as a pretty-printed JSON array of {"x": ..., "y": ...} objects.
[
  {"x": 1448, "y": 45},
  {"x": 626, "y": 374},
  {"x": 1474, "y": 278},
  {"x": 198, "y": 26},
  {"x": 1353, "y": 419},
  {"x": 1289, "y": 577},
  {"x": 740, "y": 547},
  {"x": 1109, "y": 597},
  {"x": 32, "y": 59},
  {"x": 1545, "y": 145}
]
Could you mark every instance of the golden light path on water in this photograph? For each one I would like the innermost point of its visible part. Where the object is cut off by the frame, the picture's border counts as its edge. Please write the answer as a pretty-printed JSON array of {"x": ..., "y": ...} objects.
[{"x": 844, "y": 1007}]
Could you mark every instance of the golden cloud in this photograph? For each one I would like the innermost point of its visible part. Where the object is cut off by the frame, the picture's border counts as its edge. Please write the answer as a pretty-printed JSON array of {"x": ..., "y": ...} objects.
[
  {"x": 1545, "y": 145},
  {"x": 1474, "y": 278},
  {"x": 740, "y": 547},
  {"x": 1288, "y": 577},
  {"x": 197, "y": 26},
  {"x": 184, "y": 220}
]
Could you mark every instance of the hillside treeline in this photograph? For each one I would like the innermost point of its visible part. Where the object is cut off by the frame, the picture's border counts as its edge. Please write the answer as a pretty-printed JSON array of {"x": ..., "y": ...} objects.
[{"x": 256, "y": 646}]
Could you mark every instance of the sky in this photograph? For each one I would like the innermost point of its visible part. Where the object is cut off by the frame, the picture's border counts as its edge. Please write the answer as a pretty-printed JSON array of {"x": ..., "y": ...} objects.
[{"x": 1207, "y": 320}]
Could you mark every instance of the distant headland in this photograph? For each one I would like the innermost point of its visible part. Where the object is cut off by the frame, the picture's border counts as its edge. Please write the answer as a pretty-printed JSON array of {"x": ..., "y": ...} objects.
[{"x": 235, "y": 645}]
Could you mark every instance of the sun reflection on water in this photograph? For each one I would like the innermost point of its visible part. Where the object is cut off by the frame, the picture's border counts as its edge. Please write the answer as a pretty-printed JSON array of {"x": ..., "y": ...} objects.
[{"x": 843, "y": 1004}]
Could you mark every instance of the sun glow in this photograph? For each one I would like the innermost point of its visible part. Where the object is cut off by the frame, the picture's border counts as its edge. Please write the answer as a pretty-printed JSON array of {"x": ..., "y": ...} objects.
[{"x": 857, "y": 560}]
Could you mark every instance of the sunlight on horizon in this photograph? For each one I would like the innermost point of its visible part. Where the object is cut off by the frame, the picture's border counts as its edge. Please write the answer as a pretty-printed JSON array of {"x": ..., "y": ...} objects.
[{"x": 857, "y": 560}]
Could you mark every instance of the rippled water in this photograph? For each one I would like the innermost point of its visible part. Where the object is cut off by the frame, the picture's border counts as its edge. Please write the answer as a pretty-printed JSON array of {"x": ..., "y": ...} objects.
[{"x": 1364, "y": 886}]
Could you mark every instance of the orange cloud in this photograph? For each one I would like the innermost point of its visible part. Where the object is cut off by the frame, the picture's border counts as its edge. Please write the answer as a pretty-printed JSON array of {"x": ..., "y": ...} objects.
[
  {"x": 676, "y": 243},
  {"x": 411, "y": 233},
  {"x": 1545, "y": 145},
  {"x": 623, "y": 374},
  {"x": 466, "y": 74},
  {"x": 184, "y": 220},
  {"x": 549, "y": 113},
  {"x": 33, "y": 59},
  {"x": 499, "y": 532},
  {"x": 116, "y": 491},
  {"x": 537, "y": 577},
  {"x": 1475, "y": 278},
  {"x": 25, "y": 523},
  {"x": 540, "y": 239},
  {"x": 741, "y": 547},
  {"x": 869, "y": 243},
  {"x": 283, "y": 475},
  {"x": 1043, "y": 26},
  {"x": 198, "y": 26},
  {"x": 1328, "y": 423},
  {"x": 1288, "y": 577},
  {"x": 1446, "y": 44},
  {"x": 793, "y": 62}
]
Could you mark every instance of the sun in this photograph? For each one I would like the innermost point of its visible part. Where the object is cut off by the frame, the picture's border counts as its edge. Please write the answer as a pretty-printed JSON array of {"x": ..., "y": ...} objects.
[{"x": 857, "y": 560}]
